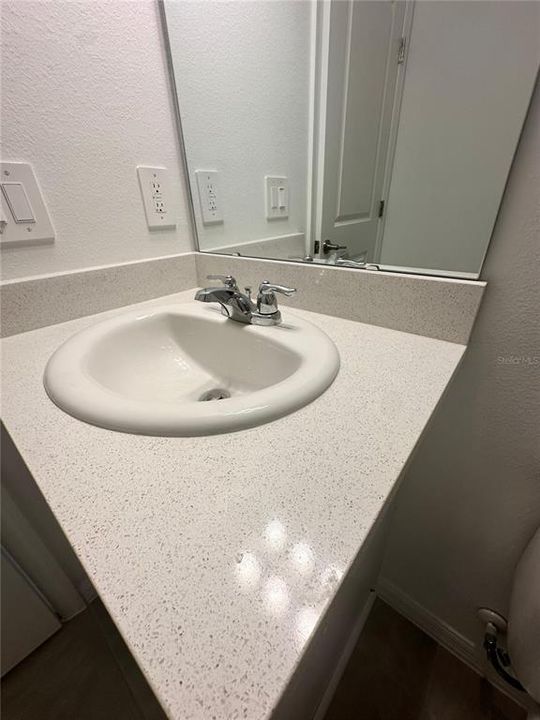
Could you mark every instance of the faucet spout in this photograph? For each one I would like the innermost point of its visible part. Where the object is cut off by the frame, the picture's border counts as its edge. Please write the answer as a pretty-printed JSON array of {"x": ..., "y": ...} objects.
[
  {"x": 233, "y": 303},
  {"x": 209, "y": 295}
]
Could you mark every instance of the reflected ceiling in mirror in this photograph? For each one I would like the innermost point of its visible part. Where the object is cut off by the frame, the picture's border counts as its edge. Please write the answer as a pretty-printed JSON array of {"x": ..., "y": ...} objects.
[{"x": 351, "y": 132}]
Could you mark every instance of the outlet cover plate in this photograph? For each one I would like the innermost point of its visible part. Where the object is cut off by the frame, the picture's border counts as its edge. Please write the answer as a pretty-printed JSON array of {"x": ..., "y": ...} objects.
[{"x": 156, "y": 196}]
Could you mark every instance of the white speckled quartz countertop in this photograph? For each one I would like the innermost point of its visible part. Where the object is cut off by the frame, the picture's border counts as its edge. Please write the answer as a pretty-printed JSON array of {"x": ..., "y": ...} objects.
[{"x": 216, "y": 555}]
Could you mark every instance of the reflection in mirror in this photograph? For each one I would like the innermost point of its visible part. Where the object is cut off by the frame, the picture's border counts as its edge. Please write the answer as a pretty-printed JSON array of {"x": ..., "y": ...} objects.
[{"x": 341, "y": 132}]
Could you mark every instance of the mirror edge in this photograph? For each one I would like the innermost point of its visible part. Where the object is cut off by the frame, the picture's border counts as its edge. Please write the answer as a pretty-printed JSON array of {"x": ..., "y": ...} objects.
[{"x": 178, "y": 121}]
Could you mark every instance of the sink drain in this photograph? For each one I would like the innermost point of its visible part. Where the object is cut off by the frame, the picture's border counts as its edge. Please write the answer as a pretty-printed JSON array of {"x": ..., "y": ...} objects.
[{"x": 215, "y": 394}]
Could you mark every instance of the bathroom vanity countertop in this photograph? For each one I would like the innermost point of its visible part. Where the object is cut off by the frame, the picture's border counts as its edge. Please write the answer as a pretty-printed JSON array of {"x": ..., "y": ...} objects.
[{"x": 216, "y": 555}]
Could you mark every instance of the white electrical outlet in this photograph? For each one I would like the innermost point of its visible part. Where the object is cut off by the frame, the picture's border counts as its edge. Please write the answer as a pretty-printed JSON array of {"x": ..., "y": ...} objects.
[
  {"x": 276, "y": 197},
  {"x": 156, "y": 197},
  {"x": 209, "y": 196}
]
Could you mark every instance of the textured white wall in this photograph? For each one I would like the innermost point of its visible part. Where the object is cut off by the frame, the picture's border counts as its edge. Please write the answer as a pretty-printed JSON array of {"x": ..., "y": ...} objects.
[
  {"x": 242, "y": 72},
  {"x": 470, "y": 73},
  {"x": 471, "y": 497},
  {"x": 85, "y": 99}
]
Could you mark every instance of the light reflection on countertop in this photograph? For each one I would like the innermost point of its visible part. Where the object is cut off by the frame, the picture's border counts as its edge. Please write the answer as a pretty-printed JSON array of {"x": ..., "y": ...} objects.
[
  {"x": 275, "y": 535},
  {"x": 281, "y": 572}
]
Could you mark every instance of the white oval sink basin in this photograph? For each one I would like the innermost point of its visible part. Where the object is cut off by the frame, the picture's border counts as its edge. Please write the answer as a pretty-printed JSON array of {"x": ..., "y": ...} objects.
[{"x": 151, "y": 373}]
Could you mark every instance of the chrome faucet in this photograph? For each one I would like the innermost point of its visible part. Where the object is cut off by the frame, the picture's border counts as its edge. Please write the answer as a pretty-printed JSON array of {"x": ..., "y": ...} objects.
[{"x": 239, "y": 306}]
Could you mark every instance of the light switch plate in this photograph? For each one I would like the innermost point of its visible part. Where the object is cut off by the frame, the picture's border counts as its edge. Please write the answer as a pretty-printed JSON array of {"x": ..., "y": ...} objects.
[
  {"x": 276, "y": 196},
  {"x": 209, "y": 196},
  {"x": 24, "y": 218},
  {"x": 156, "y": 196}
]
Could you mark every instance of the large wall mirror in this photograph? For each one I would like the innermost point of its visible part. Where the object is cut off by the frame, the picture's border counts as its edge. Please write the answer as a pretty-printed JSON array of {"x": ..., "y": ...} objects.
[{"x": 351, "y": 132}]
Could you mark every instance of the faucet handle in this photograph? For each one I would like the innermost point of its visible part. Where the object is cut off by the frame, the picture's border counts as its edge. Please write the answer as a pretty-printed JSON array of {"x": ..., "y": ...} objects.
[
  {"x": 228, "y": 280},
  {"x": 267, "y": 288},
  {"x": 266, "y": 300}
]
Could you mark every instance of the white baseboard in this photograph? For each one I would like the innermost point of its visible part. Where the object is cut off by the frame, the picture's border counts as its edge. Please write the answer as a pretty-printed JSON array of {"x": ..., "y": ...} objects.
[
  {"x": 344, "y": 659},
  {"x": 447, "y": 637}
]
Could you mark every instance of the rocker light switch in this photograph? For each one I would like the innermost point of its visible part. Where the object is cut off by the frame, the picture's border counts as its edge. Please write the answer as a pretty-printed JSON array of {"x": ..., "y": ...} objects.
[{"x": 18, "y": 202}]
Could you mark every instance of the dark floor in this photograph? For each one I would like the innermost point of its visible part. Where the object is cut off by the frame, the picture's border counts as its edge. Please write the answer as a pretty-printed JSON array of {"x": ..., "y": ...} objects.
[
  {"x": 85, "y": 672},
  {"x": 397, "y": 672}
]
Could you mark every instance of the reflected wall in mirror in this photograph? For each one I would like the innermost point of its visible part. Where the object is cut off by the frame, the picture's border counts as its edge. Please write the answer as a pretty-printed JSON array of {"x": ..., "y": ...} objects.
[{"x": 341, "y": 132}]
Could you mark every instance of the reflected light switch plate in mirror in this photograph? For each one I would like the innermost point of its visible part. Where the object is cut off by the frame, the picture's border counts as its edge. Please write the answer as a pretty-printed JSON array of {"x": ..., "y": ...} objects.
[{"x": 276, "y": 196}]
